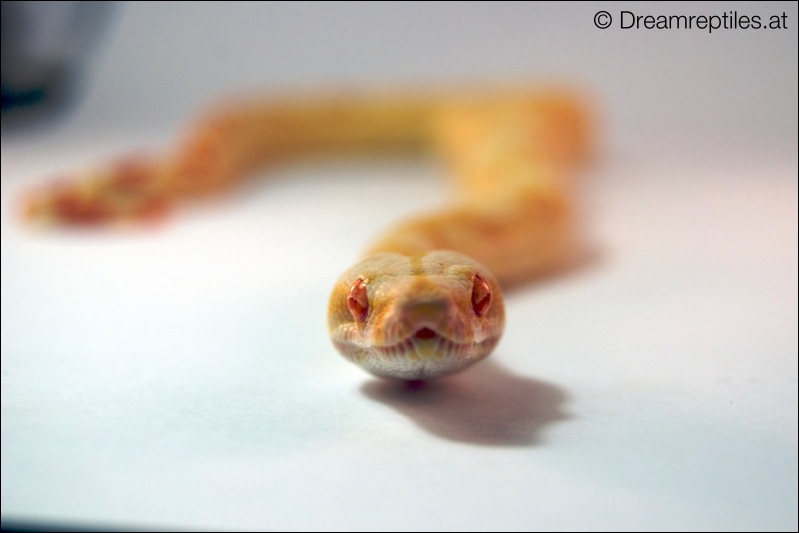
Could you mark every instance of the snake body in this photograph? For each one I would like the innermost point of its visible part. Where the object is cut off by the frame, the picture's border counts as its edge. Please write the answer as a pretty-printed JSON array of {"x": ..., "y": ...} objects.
[{"x": 425, "y": 300}]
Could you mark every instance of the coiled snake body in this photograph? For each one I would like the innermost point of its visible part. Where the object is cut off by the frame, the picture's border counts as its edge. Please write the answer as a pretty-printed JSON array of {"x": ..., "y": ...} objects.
[{"x": 426, "y": 299}]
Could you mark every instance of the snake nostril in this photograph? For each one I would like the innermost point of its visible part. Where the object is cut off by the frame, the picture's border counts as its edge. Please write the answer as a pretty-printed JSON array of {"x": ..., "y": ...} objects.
[{"x": 425, "y": 333}]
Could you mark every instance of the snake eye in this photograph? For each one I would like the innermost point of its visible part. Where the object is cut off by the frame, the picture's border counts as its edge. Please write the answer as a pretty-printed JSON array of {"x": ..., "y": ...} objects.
[
  {"x": 358, "y": 300},
  {"x": 481, "y": 296}
]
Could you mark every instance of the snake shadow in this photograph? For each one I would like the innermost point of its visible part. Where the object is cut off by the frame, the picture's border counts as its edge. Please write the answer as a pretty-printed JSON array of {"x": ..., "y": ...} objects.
[{"x": 486, "y": 405}]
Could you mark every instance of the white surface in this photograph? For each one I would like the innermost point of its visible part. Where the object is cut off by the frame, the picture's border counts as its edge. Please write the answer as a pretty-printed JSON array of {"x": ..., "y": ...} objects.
[{"x": 184, "y": 378}]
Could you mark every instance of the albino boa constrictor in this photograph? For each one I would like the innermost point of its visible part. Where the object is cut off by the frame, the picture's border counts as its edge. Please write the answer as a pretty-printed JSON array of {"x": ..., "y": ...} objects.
[{"x": 425, "y": 300}]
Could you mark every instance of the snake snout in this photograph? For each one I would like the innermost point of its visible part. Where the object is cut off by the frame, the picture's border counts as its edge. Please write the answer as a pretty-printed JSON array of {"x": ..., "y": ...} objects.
[{"x": 425, "y": 319}]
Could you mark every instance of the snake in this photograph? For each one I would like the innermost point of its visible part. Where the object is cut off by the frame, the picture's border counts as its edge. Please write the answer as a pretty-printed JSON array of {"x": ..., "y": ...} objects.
[{"x": 425, "y": 300}]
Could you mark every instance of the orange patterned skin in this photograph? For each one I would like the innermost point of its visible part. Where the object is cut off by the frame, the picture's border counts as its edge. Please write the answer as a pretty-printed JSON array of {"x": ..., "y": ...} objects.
[{"x": 426, "y": 299}]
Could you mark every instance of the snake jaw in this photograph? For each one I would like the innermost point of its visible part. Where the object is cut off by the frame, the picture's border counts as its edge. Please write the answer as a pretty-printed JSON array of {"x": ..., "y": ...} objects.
[
  {"x": 419, "y": 359},
  {"x": 423, "y": 345},
  {"x": 422, "y": 355},
  {"x": 429, "y": 345}
]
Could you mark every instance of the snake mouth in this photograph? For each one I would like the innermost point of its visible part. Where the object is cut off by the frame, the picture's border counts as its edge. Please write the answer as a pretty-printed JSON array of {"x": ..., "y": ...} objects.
[
  {"x": 427, "y": 344},
  {"x": 425, "y": 354},
  {"x": 425, "y": 334},
  {"x": 424, "y": 345}
]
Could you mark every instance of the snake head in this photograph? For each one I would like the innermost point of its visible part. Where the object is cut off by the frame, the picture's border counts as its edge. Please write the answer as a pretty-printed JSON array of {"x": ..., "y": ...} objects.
[{"x": 416, "y": 316}]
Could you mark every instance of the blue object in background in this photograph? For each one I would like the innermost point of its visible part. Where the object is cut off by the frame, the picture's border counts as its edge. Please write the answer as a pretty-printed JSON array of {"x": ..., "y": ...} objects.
[{"x": 45, "y": 49}]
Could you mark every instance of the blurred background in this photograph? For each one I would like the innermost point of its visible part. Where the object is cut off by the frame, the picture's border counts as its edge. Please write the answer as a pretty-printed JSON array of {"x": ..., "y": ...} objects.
[
  {"x": 183, "y": 377},
  {"x": 693, "y": 89}
]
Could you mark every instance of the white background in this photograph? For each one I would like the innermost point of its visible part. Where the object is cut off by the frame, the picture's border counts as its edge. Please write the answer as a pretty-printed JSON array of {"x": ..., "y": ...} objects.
[{"x": 182, "y": 377}]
